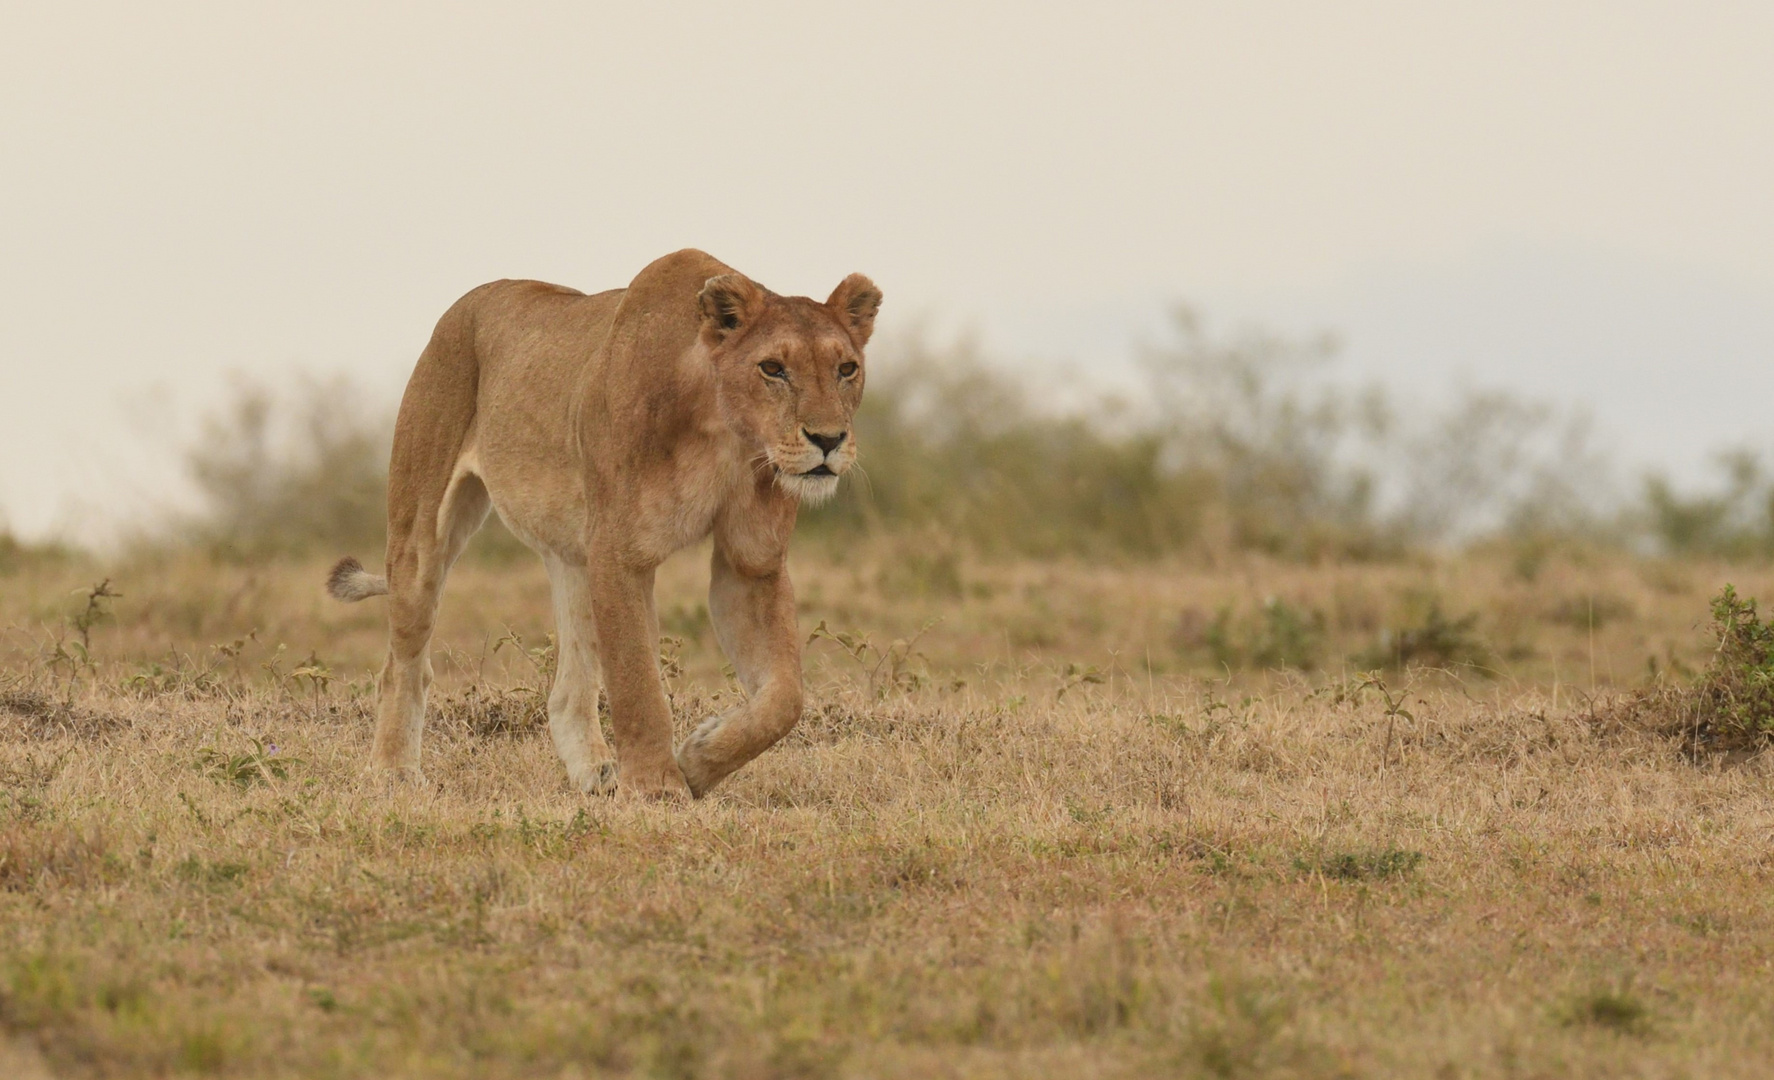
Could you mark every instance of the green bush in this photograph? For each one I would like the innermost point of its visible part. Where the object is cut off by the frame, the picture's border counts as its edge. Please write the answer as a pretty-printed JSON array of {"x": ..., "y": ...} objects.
[
  {"x": 1427, "y": 637},
  {"x": 1735, "y": 521},
  {"x": 1729, "y": 706},
  {"x": 1280, "y": 635},
  {"x": 1735, "y": 695}
]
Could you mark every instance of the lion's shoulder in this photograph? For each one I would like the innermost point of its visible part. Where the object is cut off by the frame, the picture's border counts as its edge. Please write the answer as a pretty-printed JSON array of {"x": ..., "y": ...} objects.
[{"x": 674, "y": 274}]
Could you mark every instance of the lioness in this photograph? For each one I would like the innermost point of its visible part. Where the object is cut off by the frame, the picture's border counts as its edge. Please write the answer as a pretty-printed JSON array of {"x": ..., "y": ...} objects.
[{"x": 609, "y": 431}]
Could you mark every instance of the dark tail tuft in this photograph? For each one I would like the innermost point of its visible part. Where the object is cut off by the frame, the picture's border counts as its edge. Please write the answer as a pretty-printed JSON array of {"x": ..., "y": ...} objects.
[{"x": 350, "y": 582}]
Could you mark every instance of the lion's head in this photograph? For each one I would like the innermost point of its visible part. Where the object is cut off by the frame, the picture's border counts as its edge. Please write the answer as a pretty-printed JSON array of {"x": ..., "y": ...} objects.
[{"x": 790, "y": 372}]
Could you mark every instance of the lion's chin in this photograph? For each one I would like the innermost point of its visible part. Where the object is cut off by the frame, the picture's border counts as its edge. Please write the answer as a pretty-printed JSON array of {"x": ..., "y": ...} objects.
[{"x": 811, "y": 488}]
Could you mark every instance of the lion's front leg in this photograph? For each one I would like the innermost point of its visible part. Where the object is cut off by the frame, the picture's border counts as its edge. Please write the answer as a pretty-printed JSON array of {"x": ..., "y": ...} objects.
[
  {"x": 640, "y": 716},
  {"x": 572, "y": 703},
  {"x": 754, "y": 620}
]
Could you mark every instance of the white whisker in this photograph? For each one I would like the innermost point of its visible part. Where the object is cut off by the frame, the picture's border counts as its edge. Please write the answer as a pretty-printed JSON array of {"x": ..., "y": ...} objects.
[{"x": 863, "y": 475}]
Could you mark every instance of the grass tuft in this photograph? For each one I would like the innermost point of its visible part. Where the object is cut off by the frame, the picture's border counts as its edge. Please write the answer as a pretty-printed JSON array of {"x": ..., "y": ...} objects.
[
  {"x": 1615, "y": 1009},
  {"x": 1378, "y": 865},
  {"x": 263, "y": 763}
]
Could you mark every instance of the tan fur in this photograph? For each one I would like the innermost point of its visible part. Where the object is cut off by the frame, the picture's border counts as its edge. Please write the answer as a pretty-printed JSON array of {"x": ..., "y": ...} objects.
[{"x": 609, "y": 431}]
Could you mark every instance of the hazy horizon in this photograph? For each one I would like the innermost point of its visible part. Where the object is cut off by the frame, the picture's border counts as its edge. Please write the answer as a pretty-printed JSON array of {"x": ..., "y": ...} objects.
[{"x": 1567, "y": 201}]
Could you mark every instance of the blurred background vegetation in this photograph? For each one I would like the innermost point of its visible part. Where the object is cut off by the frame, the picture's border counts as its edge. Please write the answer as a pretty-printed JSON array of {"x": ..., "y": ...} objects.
[{"x": 1223, "y": 443}]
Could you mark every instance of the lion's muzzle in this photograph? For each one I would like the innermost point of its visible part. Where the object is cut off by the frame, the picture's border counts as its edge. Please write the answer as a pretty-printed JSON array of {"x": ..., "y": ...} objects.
[{"x": 810, "y": 469}]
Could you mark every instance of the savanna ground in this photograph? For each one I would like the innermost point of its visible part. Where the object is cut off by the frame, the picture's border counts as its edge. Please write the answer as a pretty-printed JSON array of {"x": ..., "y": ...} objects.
[{"x": 1139, "y": 819}]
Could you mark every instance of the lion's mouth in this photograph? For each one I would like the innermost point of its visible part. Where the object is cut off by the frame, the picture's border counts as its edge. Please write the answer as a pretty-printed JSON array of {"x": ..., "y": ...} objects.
[{"x": 820, "y": 470}]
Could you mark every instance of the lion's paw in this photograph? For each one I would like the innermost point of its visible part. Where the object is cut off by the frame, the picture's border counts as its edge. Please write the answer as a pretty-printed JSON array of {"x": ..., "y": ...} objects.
[
  {"x": 664, "y": 783},
  {"x": 693, "y": 758},
  {"x": 598, "y": 778}
]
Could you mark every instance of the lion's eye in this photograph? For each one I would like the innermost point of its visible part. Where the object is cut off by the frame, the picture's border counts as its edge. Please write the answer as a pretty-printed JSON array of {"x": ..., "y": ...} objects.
[
  {"x": 773, "y": 369},
  {"x": 846, "y": 369}
]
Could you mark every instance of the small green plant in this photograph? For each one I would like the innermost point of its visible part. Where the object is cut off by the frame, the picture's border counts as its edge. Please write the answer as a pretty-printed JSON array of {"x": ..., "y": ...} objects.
[
  {"x": 231, "y": 650},
  {"x": 178, "y": 675},
  {"x": 554, "y": 838},
  {"x": 1216, "y": 858},
  {"x": 318, "y": 676},
  {"x": 1076, "y": 675},
  {"x": 259, "y": 765},
  {"x": 1377, "y": 865},
  {"x": 889, "y": 668},
  {"x": 274, "y": 665},
  {"x": 97, "y": 610},
  {"x": 671, "y": 660},
  {"x": 1087, "y": 815},
  {"x": 1394, "y": 705},
  {"x": 76, "y": 656},
  {"x": 215, "y": 874},
  {"x": 542, "y": 658},
  {"x": 508, "y": 710}
]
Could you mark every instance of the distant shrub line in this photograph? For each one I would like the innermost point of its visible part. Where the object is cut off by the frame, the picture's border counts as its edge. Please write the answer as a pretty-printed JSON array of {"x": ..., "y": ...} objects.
[{"x": 1225, "y": 444}]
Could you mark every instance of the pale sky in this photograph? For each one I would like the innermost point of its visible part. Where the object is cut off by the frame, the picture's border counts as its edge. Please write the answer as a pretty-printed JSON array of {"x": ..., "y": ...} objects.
[{"x": 1573, "y": 200}]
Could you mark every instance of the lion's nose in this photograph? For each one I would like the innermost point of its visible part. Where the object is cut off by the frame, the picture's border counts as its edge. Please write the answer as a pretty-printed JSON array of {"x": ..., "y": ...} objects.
[{"x": 826, "y": 443}]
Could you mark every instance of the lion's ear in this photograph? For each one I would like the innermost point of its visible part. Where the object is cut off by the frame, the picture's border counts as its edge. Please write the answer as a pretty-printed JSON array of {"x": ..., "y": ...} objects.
[
  {"x": 855, "y": 302},
  {"x": 729, "y": 303}
]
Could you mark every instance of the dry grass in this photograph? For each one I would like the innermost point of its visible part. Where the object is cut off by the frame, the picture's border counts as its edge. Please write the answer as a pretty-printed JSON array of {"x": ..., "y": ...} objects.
[{"x": 1054, "y": 843}]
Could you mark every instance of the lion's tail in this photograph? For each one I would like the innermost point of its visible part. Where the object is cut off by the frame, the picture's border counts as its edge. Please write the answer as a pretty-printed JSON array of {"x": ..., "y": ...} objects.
[{"x": 350, "y": 582}]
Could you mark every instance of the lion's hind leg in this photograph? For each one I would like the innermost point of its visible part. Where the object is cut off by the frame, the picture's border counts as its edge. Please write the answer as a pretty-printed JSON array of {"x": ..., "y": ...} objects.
[
  {"x": 418, "y": 564},
  {"x": 572, "y": 704}
]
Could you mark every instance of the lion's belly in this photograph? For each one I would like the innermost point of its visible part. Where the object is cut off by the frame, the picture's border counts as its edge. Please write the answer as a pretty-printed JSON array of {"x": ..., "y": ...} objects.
[
  {"x": 533, "y": 482},
  {"x": 525, "y": 458},
  {"x": 522, "y": 443},
  {"x": 549, "y": 517},
  {"x": 544, "y": 505}
]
